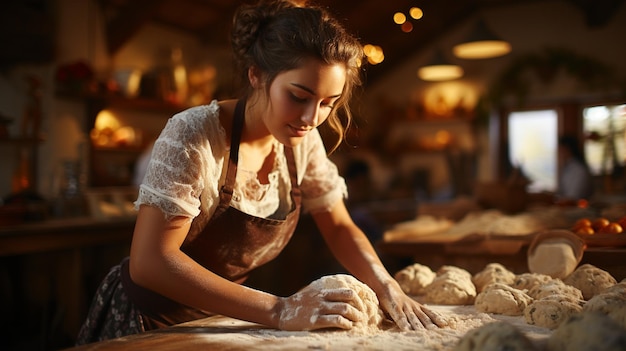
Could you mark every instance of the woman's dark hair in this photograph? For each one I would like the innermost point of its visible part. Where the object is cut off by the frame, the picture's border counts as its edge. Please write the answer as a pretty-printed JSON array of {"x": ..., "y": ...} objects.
[{"x": 278, "y": 35}]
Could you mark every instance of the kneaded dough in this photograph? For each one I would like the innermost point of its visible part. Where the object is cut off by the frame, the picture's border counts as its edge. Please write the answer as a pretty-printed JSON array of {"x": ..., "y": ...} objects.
[
  {"x": 495, "y": 336},
  {"x": 550, "y": 312},
  {"x": 555, "y": 287},
  {"x": 527, "y": 281},
  {"x": 414, "y": 278},
  {"x": 451, "y": 286},
  {"x": 611, "y": 302},
  {"x": 502, "y": 299},
  {"x": 590, "y": 279},
  {"x": 493, "y": 273},
  {"x": 372, "y": 311},
  {"x": 587, "y": 331}
]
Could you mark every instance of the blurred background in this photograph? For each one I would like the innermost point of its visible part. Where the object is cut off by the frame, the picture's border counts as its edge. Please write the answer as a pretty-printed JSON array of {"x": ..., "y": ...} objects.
[{"x": 86, "y": 86}]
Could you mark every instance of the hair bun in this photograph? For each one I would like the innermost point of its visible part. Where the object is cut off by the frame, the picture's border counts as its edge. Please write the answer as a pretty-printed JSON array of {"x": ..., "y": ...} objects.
[{"x": 249, "y": 21}]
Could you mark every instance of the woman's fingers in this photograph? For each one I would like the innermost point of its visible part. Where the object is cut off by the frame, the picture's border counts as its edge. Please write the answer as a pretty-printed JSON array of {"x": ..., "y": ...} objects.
[
  {"x": 435, "y": 317},
  {"x": 344, "y": 295},
  {"x": 332, "y": 321},
  {"x": 342, "y": 309}
]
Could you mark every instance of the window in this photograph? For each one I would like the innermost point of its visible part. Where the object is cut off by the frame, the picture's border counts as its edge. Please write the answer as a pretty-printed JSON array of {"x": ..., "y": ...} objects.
[
  {"x": 605, "y": 145},
  {"x": 532, "y": 147}
]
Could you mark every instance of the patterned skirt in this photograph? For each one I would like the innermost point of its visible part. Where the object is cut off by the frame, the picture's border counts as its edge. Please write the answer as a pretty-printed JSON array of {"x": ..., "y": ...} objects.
[{"x": 111, "y": 314}]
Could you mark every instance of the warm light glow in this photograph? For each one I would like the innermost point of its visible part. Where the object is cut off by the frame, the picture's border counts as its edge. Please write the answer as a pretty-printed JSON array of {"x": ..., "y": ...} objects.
[
  {"x": 407, "y": 27},
  {"x": 481, "y": 43},
  {"x": 443, "y": 137},
  {"x": 437, "y": 73},
  {"x": 416, "y": 12},
  {"x": 106, "y": 120},
  {"x": 374, "y": 54},
  {"x": 399, "y": 18},
  {"x": 132, "y": 86},
  {"x": 482, "y": 49}
]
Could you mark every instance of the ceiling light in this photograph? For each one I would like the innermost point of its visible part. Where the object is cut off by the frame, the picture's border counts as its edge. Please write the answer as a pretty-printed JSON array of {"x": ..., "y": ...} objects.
[
  {"x": 439, "y": 69},
  {"x": 481, "y": 43},
  {"x": 416, "y": 12}
]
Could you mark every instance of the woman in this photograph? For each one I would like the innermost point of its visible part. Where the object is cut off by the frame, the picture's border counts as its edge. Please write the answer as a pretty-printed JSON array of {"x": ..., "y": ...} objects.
[{"x": 224, "y": 188}]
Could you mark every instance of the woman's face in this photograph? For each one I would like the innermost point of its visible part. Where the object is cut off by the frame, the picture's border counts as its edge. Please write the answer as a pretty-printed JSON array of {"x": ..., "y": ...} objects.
[{"x": 302, "y": 99}]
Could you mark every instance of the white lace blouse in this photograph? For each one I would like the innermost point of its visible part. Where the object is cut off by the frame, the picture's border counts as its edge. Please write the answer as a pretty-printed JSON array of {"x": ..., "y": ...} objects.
[{"x": 188, "y": 167}]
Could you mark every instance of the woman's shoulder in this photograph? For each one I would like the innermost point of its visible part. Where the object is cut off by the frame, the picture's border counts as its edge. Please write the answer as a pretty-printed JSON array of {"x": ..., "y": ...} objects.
[
  {"x": 199, "y": 114},
  {"x": 197, "y": 121}
]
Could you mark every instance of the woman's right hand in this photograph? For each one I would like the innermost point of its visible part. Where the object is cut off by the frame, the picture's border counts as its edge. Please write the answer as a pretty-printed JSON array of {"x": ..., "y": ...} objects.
[{"x": 312, "y": 308}]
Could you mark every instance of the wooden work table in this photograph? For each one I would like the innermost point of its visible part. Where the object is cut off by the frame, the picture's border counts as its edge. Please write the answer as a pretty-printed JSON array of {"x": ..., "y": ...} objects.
[
  {"x": 222, "y": 333},
  {"x": 49, "y": 271}
]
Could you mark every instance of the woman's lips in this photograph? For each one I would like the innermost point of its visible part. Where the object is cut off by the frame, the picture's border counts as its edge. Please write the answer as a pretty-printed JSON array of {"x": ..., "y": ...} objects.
[{"x": 299, "y": 132}]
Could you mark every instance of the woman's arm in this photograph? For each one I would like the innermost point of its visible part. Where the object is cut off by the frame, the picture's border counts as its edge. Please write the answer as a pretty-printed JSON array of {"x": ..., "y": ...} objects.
[
  {"x": 157, "y": 263},
  {"x": 354, "y": 251}
]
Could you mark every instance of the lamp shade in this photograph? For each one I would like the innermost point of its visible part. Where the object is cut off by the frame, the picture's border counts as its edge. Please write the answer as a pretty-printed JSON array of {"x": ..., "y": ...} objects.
[
  {"x": 482, "y": 43},
  {"x": 439, "y": 69}
]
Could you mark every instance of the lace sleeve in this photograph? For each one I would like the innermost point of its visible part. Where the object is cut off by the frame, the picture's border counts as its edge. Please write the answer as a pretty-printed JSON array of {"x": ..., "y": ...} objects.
[
  {"x": 321, "y": 184},
  {"x": 183, "y": 168}
]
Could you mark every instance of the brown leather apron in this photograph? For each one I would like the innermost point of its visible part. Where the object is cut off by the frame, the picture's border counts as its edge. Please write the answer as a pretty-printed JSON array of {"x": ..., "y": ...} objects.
[{"x": 231, "y": 245}]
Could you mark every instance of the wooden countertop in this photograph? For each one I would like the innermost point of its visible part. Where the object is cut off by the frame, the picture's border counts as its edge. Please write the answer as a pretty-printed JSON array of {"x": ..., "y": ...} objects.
[
  {"x": 222, "y": 333},
  {"x": 58, "y": 234}
]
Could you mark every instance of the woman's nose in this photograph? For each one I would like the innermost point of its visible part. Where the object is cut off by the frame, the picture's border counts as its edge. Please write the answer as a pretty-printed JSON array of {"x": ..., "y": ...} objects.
[{"x": 311, "y": 115}]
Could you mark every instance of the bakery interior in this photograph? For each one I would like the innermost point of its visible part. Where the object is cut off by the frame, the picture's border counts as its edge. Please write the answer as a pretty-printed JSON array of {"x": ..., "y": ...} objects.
[{"x": 457, "y": 171}]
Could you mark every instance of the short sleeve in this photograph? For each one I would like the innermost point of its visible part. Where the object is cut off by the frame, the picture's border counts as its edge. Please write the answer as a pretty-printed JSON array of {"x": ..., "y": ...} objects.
[
  {"x": 321, "y": 184},
  {"x": 186, "y": 165}
]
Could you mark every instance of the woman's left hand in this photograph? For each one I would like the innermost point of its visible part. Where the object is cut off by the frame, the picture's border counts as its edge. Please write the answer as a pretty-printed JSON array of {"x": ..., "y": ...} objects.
[{"x": 407, "y": 313}]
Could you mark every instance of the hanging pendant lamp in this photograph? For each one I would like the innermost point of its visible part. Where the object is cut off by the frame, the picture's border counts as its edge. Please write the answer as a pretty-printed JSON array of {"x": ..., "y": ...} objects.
[
  {"x": 482, "y": 43},
  {"x": 439, "y": 69}
]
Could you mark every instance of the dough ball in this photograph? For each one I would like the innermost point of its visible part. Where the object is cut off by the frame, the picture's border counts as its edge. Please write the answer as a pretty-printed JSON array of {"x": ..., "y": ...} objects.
[
  {"x": 453, "y": 270},
  {"x": 414, "y": 278},
  {"x": 494, "y": 336},
  {"x": 527, "y": 281},
  {"x": 493, "y": 273},
  {"x": 502, "y": 299},
  {"x": 611, "y": 303},
  {"x": 588, "y": 331},
  {"x": 590, "y": 279},
  {"x": 451, "y": 286},
  {"x": 550, "y": 312},
  {"x": 555, "y": 287},
  {"x": 372, "y": 311},
  {"x": 619, "y": 288}
]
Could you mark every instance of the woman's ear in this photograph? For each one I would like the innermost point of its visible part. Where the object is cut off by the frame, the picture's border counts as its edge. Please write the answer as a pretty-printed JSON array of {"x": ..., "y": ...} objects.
[{"x": 254, "y": 76}]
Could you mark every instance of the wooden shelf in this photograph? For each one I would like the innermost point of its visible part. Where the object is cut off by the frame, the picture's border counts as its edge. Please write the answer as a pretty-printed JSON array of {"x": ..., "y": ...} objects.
[
  {"x": 22, "y": 141},
  {"x": 113, "y": 100}
]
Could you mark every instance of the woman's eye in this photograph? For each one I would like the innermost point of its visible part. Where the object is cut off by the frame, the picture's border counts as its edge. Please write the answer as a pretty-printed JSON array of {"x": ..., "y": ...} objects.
[{"x": 297, "y": 99}]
